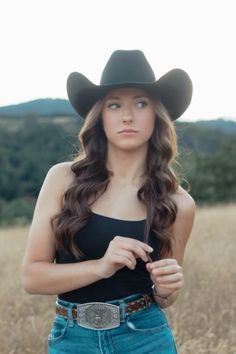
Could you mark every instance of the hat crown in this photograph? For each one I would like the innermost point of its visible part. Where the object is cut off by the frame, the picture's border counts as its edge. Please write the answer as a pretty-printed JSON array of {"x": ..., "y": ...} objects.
[{"x": 127, "y": 66}]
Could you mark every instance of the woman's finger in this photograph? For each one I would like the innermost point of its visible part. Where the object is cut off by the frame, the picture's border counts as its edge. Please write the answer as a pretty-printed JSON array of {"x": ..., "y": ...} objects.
[
  {"x": 169, "y": 278},
  {"x": 138, "y": 248},
  {"x": 168, "y": 286},
  {"x": 124, "y": 253},
  {"x": 125, "y": 260},
  {"x": 169, "y": 269},
  {"x": 164, "y": 262}
]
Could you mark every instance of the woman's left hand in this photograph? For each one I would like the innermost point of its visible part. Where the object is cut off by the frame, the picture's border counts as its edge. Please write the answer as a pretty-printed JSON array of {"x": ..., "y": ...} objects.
[{"x": 167, "y": 275}]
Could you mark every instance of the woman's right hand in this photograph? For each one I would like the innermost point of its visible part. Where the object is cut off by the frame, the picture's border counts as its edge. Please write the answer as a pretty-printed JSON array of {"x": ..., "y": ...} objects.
[{"x": 121, "y": 252}]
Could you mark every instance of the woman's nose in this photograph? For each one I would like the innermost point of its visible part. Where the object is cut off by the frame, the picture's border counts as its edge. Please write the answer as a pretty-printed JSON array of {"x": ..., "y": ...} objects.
[
  {"x": 127, "y": 119},
  {"x": 127, "y": 115}
]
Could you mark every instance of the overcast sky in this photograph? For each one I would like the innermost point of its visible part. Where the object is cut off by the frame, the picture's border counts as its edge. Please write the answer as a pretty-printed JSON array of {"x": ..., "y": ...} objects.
[{"x": 43, "y": 41}]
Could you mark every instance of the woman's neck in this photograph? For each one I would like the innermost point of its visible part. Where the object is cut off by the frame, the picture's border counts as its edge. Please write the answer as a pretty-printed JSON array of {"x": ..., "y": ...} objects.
[{"x": 127, "y": 168}]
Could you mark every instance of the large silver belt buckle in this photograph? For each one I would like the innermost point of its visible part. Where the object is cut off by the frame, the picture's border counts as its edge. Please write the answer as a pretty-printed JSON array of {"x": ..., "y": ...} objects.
[{"x": 98, "y": 315}]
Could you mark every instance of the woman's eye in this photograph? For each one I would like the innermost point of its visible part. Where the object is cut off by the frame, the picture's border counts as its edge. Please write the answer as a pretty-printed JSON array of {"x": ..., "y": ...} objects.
[
  {"x": 142, "y": 104},
  {"x": 113, "y": 105}
]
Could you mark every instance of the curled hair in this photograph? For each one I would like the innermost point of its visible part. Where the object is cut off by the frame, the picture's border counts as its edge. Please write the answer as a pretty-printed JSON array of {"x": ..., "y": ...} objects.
[{"x": 92, "y": 178}]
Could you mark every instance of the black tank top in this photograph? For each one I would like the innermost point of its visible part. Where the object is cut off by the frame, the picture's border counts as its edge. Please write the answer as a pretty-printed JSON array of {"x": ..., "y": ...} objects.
[{"x": 93, "y": 241}]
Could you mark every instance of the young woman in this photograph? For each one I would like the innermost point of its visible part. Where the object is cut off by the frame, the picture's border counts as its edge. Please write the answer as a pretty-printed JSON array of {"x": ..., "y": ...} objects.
[{"x": 110, "y": 228}]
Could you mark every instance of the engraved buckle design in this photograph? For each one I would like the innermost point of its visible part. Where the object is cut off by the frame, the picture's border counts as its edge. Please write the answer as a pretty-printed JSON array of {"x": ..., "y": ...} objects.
[{"x": 98, "y": 315}]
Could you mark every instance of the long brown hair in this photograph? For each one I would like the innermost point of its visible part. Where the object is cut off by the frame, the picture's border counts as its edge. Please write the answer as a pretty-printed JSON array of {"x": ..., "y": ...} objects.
[{"x": 92, "y": 178}]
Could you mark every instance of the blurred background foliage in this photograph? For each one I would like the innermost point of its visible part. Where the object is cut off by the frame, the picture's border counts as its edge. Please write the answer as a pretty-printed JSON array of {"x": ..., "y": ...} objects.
[{"x": 31, "y": 144}]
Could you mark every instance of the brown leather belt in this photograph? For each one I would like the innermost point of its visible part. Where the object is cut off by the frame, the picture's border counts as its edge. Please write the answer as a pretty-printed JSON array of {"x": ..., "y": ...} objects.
[{"x": 103, "y": 315}]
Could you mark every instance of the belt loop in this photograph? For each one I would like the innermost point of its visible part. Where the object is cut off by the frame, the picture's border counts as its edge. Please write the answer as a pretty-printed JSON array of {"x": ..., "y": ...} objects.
[
  {"x": 122, "y": 311},
  {"x": 71, "y": 322}
]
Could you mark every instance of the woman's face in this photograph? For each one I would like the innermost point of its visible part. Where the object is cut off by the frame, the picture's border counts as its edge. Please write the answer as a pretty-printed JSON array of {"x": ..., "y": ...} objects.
[{"x": 128, "y": 108}]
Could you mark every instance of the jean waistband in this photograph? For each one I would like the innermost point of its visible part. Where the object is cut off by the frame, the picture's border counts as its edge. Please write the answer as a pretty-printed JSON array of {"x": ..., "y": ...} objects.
[{"x": 120, "y": 302}]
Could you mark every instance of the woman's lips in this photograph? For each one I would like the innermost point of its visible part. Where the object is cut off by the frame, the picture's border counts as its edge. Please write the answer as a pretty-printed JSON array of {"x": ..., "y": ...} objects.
[{"x": 128, "y": 131}]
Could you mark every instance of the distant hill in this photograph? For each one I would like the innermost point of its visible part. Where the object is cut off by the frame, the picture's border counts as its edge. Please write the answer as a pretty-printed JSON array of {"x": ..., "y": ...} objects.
[
  {"x": 40, "y": 107},
  {"x": 227, "y": 126},
  {"x": 208, "y": 127}
]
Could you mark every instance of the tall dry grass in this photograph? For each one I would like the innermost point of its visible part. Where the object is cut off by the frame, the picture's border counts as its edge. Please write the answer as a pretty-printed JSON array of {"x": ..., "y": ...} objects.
[{"x": 203, "y": 318}]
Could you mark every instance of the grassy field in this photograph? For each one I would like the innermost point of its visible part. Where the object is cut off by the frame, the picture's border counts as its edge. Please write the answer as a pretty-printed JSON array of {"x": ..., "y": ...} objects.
[{"x": 203, "y": 318}]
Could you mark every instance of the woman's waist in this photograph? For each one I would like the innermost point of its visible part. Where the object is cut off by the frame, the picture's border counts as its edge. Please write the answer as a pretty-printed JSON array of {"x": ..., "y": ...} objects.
[{"x": 107, "y": 290}]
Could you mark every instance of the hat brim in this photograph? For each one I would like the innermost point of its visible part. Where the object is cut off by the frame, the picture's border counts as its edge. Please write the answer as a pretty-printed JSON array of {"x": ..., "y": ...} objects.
[{"x": 174, "y": 89}]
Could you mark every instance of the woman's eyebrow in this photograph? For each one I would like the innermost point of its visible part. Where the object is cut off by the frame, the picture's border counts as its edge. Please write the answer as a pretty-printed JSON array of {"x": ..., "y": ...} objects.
[
  {"x": 141, "y": 96},
  {"x": 113, "y": 98}
]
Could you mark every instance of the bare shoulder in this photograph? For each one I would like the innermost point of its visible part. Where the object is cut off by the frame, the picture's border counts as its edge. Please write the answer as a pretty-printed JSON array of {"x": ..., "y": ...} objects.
[
  {"x": 61, "y": 175},
  {"x": 63, "y": 167},
  {"x": 184, "y": 202}
]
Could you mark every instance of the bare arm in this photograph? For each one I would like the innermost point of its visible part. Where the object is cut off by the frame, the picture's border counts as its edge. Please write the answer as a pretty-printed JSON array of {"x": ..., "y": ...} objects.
[
  {"x": 40, "y": 275},
  {"x": 167, "y": 273}
]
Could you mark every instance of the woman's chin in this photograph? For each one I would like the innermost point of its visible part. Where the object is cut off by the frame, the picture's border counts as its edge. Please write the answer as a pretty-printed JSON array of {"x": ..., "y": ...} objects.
[{"x": 130, "y": 147}]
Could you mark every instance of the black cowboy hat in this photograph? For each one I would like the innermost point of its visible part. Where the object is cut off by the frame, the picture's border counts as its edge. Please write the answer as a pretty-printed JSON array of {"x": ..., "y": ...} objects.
[{"x": 130, "y": 68}]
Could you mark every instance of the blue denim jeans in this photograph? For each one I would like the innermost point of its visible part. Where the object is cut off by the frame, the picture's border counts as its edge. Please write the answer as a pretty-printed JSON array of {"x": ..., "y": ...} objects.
[{"x": 143, "y": 332}]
